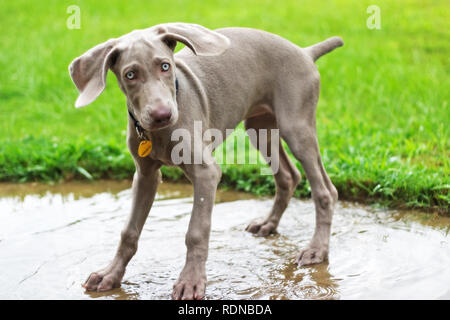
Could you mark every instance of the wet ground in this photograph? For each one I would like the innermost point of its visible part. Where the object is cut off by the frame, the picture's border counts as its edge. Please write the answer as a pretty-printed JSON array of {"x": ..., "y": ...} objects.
[{"x": 51, "y": 238}]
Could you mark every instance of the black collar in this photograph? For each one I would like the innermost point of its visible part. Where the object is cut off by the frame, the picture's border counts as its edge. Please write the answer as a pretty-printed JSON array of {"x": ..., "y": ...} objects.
[{"x": 139, "y": 130}]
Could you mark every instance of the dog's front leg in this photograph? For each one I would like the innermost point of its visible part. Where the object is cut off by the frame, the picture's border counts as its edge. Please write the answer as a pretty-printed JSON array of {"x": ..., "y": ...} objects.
[
  {"x": 145, "y": 183},
  {"x": 192, "y": 281}
]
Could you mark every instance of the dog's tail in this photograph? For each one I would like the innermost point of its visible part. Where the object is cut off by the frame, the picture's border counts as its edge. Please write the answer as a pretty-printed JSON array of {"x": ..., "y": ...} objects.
[{"x": 319, "y": 49}]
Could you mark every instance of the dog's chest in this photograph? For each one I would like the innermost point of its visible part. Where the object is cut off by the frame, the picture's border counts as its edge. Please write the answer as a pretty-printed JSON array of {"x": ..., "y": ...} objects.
[{"x": 161, "y": 149}]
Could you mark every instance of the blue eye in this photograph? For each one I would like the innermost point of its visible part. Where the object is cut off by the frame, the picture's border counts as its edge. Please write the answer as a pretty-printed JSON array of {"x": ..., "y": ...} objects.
[
  {"x": 130, "y": 75},
  {"x": 165, "y": 67}
]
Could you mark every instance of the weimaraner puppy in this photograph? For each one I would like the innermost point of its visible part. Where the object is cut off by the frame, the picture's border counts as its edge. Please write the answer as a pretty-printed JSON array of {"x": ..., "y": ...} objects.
[{"x": 221, "y": 78}]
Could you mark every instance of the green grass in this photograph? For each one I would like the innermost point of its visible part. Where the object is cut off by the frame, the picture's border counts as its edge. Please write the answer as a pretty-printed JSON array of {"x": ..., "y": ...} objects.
[{"x": 383, "y": 113}]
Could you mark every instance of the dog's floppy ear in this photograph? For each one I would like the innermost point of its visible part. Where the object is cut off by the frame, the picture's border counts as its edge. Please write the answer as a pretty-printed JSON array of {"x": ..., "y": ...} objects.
[
  {"x": 200, "y": 40},
  {"x": 89, "y": 71}
]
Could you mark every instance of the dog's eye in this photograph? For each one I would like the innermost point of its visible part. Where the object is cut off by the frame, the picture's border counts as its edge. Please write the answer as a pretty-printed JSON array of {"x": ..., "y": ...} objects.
[
  {"x": 165, "y": 67},
  {"x": 130, "y": 75}
]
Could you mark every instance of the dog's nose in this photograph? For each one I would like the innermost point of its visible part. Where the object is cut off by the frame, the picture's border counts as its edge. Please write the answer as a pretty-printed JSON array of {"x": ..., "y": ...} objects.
[{"x": 161, "y": 115}]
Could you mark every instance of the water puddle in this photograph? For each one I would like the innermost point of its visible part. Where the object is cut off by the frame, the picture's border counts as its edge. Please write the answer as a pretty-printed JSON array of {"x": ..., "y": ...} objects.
[{"x": 51, "y": 238}]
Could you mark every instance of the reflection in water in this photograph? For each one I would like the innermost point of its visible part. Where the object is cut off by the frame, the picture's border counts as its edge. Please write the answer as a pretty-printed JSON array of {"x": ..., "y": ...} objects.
[
  {"x": 117, "y": 294},
  {"x": 52, "y": 237}
]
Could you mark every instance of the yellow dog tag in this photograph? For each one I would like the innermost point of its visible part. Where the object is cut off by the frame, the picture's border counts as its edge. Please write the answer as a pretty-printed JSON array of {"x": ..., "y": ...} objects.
[{"x": 145, "y": 147}]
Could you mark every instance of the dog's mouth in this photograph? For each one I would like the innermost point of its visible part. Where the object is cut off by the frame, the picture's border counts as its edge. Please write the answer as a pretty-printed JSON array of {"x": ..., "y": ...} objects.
[{"x": 158, "y": 125}]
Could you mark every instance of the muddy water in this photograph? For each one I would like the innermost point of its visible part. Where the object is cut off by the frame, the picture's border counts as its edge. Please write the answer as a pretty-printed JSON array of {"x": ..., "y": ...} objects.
[{"x": 51, "y": 238}]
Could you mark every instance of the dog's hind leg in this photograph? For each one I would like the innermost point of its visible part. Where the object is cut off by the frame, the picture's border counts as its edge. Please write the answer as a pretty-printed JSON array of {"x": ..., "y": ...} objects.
[
  {"x": 286, "y": 175},
  {"x": 298, "y": 128}
]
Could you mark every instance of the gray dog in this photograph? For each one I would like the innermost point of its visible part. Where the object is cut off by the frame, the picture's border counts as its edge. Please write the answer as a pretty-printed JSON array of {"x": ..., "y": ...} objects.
[{"x": 221, "y": 78}]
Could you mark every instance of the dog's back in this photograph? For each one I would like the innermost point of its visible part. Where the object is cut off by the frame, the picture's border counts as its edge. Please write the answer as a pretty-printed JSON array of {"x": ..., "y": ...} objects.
[{"x": 256, "y": 67}]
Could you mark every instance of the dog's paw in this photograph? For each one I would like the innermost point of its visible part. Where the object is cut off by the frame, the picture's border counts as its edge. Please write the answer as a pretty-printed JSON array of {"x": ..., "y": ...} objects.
[
  {"x": 261, "y": 228},
  {"x": 103, "y": 281},
  {"x": 190, "y": 286},
  {"x": 311, "y": 256},
  {"x": 189, "y": 290}
]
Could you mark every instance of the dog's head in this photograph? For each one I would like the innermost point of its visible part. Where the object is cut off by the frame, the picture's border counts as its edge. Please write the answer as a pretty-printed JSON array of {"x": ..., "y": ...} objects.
[{"x": 143, "y": 62}]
